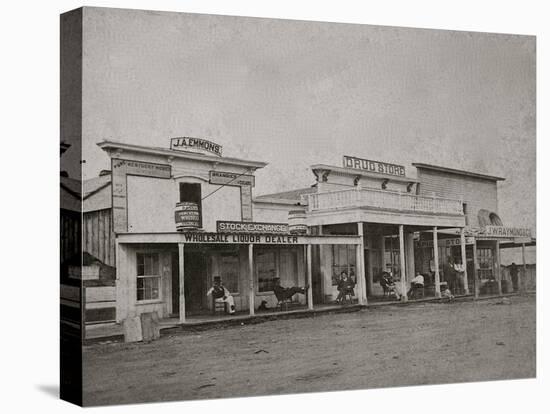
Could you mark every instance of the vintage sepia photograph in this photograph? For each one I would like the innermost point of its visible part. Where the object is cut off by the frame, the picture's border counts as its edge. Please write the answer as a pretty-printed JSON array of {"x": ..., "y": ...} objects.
[{"x": 255, "y": 206}]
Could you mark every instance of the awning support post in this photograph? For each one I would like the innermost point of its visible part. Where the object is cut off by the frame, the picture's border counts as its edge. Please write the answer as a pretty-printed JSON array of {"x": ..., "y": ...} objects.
[
  {"x": 523, "y": 281},
  {"x": 402, "y": 264},
  {"x": 464, "y": 262},
  {"x": 309, "y": 278},
  {"x": 182, "y": 281},
  {"x": 360, "y": 265},
  {"x": 436, "y": 264},
  {"x": 498, "y": 274},
  {"x": 251, "y": 278},
  {"x": 476, "y": 271}
]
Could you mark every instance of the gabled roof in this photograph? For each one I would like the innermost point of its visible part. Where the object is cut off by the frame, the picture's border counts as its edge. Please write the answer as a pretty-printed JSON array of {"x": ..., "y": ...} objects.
[
  {"x": 93, "y": 185},
  {"x": 71, "y": 185},
  {"x": 421, "y": 166}
]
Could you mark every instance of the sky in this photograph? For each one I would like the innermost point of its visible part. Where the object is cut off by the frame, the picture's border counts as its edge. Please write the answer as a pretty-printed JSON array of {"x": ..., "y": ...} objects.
[{"x": 296, "y": 93}]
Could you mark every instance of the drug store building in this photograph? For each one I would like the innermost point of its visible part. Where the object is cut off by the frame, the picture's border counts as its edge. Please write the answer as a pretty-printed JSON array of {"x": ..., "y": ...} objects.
[
  {"x": 177, "y": 217},
  {"x": 400, "y": 219}
]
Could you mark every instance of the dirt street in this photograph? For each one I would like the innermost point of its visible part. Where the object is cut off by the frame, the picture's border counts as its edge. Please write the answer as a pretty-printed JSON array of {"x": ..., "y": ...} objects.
[{"x": 420, "y": 343}]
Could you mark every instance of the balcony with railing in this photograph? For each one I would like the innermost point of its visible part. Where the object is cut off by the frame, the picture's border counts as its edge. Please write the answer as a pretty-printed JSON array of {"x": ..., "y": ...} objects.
[{"x": 383, "y": 199}]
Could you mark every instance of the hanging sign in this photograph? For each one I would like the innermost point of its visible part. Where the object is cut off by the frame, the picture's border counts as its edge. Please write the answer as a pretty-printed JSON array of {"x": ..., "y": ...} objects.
[
  {"x": 373, "y": 166},
  {"x": 445, "y": 242},
  {"x": 190, "y": 143},
  {"x": 231, "y": 178},
  {"x": 251, "y": 227},
  {"x": 187, "y": 215}
]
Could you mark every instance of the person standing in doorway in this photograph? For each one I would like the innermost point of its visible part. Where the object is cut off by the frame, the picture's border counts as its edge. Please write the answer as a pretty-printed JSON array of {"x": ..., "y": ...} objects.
[
  {"x": 514, "y": 276},
  {"x": 450, "y": 274}
]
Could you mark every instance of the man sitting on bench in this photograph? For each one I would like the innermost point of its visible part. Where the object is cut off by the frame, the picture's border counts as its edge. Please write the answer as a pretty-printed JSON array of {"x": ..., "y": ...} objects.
[
  {"x": 416, "y": 283},
  {"x": 220, "y": 294},
  {"x": 285, "y": 294},
  {"x": 389, "y": 285},
  {"x": 345, "y": 287}
]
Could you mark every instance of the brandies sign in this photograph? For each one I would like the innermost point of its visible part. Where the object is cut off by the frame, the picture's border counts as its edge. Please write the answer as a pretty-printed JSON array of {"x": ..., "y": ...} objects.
[
  {"x": 189, "y": 143},
  {"x": 231, "y": 178},
  {"x": 251, "y": 227},
  {"x": 373, "y": 166},
  {"x": 501, "y": 231}
]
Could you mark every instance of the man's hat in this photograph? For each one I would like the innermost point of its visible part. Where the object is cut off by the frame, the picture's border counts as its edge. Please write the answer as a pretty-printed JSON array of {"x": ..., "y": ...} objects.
[{"x": 217, "y": 279}]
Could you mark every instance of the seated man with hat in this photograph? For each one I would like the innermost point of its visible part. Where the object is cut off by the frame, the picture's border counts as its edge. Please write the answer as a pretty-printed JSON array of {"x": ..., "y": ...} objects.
[
  {"x": 220, "y": 294},
  {"x": 283, "y": 293}
]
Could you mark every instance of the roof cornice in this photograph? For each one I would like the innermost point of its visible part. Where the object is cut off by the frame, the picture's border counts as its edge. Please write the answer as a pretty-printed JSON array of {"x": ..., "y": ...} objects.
[
  {"x": 422, "y": 166},
  {"x": 119, "y": 146}
]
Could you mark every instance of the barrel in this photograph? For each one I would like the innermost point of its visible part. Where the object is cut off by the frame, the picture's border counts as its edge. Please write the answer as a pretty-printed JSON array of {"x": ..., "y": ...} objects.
[
  {"x": 297, "y": 222},
  {"x": 187, "y": 216}
]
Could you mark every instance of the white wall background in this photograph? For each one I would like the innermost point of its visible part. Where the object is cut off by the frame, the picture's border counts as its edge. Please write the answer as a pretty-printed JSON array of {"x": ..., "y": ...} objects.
[
  {"x": 30, "y": 355},
  {"x": 151, "y": 204}
]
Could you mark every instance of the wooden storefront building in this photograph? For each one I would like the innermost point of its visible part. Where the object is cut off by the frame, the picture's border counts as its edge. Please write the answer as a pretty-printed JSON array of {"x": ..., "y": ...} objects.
[{"x": 171, "y": 219}]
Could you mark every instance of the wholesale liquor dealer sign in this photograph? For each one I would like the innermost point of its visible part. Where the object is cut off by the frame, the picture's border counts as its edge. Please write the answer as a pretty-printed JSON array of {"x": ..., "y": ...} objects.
[
  {"x": 373, "y": 166},
  {"x": 240, "y": 238},
  {"x": 189, "y": 143}
]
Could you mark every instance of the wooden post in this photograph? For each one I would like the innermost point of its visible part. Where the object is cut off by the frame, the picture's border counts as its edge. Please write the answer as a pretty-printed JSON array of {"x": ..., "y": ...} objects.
[
  {"x": 402, "y": 264},
  {"x": 360, "y": 279},
  {"x": 498, "y": 274},
  {"x": 360, "y": 266},
  {"x": 370, "y": 276},
  {"x": 182, "y": 281},
  {"x": 436, "y": 264},
  {"x": 476, "y": 271},
  {"x": 409, "y": 255},
  {"x": 464, "y": 261},
  {"x": 523, "y": 281},
  {"x": 251, "y": 278},
  {"x": 309, "y": 278},
  {"x": 382, "y": 249}
]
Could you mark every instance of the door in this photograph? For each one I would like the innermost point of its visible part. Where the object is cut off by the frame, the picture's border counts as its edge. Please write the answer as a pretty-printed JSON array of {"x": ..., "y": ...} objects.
[
  {"x": 195, "y": 285},
  {"x": 175, "y": 285},
  {"x": 316, "y": 274}
]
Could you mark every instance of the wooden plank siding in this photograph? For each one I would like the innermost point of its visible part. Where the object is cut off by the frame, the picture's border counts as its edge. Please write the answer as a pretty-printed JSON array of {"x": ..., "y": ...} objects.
[
  {"x": 477, "y": 193},
  {"x": 70, "y": 234},
  {"x": 99, "y": 238}
]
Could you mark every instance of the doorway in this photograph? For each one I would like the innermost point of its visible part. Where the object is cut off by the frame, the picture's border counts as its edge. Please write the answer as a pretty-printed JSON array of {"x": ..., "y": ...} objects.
[
  {"x": 195, "y": 286},
  {"x": 175, "y": 285}
]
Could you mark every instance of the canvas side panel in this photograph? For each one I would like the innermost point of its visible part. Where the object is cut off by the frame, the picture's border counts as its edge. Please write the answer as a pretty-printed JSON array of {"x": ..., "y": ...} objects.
[{"x": 71, "y": 290}]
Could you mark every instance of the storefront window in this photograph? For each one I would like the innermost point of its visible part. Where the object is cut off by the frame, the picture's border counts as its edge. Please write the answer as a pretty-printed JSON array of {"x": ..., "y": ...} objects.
[
  {"x": 266, "y": 269},
  {"x": 343, "y": 259},
  {"x": 191, "y": 193},
  {"x": 148, "y": 276},
  {"x": 392, "y": 257},
  {"x": 485, "y": 263},
  {"x": 230, "y": 271}
]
